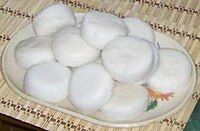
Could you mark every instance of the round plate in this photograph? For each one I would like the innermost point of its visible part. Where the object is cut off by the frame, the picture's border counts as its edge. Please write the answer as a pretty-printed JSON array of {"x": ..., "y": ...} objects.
[{"x": 159, "y": 109}]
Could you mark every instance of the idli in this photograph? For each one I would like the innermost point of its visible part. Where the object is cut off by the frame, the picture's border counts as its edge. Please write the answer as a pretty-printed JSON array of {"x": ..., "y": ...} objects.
[
  {"x": 47, "y": 81},
  {"x": 98, "y": 28},
  {"x": 128, "y": 59},
  {"x": 90, "y": 88},
  {"x": 173, "y": 71},
  {"x": 137, "y": 27},
  {"x": 71, "y": 50},
  {"x": 53, "y": 18},
  {"x": 34, "y": 50},
  {"x": 127, "y": 102}
]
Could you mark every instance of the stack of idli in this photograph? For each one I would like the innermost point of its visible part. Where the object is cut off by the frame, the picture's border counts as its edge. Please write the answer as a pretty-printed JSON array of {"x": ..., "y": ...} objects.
[{"x": 98, "y": 62}]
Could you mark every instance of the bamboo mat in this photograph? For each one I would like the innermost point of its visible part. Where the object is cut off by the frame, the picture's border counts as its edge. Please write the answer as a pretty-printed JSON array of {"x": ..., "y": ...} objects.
[{"x": 178, "y": 19}]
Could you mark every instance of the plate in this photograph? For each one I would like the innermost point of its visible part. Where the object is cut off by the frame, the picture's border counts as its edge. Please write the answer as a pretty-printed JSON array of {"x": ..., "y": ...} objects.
[{"x": 159, "y": 108}]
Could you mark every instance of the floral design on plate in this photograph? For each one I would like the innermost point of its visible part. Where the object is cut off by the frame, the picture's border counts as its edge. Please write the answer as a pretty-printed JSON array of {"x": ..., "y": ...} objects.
[{"x": 155, "y": 96}]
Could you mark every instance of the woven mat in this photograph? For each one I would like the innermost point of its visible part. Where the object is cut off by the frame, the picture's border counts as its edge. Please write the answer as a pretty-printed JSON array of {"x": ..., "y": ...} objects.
[{"x": 178, "y": 19}]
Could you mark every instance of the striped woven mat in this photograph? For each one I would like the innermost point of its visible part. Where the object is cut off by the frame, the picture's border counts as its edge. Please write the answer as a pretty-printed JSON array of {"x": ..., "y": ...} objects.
[{"x": 178, "y": 19}]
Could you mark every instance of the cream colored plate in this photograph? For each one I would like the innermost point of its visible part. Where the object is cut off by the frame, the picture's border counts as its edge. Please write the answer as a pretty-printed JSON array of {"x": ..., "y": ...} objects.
[{"x": 13, "y": 75}]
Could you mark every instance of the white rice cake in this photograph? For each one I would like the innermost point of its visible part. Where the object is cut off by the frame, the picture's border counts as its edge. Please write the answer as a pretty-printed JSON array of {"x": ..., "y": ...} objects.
[
  {"x": 71, "y": 50},
  {"x": 53, "y": 18},
  {"x": 33, "y": 51},
  {"x": 127, "y": 102},
  {"x": 47, "y": 81},
  {"x": 99, "y": 28},
  {"x": 173, "y": 71},
  {"x": 90, "y": 88}
]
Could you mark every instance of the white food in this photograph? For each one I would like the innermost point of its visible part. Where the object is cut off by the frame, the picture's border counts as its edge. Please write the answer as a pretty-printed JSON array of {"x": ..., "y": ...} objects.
[
  {"x": 47, "y": 81},
  {"x": 139, "y": 28},
  {"x": 127, "y": 102},
  {"x": 173, "y": 71},
  {"x": 128, "y": 59},
  {"x": 90, "y": 88},
  {"x": 52, "y": 18},
  {"x": 99, "y": 28},
  {"x": 71, "y": 50},
  {"x": 34, "y": 50}
]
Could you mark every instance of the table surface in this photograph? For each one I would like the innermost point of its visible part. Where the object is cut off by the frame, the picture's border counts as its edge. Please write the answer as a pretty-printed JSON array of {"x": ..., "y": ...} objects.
[
  {"x": 8, "y": 123},
  {"x": 194, "y": 121}
]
